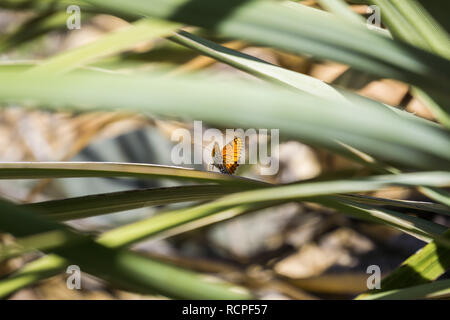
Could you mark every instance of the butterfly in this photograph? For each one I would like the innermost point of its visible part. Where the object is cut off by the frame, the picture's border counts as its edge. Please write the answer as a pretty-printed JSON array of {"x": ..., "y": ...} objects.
[{"x": 226, "y": 160}]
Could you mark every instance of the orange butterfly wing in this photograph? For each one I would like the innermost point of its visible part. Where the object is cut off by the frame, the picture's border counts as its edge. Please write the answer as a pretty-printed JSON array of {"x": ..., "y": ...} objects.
[{"x": 231, "y": 153}]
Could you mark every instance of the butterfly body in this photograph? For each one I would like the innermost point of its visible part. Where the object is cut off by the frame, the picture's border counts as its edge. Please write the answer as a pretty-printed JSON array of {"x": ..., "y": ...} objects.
[{"x": 226, "y": 160}]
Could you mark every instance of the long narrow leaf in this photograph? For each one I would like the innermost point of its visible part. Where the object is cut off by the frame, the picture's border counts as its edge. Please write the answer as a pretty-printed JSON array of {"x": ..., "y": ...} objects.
[
  {"x": 422, "y": 267},
  {"x": 437, "y": 289},
  {"x": 123, "y": 268},
  {"x": 94, "y": 205},
  {"x": 39, "y": 170},
  {"x": 302, "y": 31},
  {"x": 373, "y": 131},
  {"x": 111, "y": 43}
]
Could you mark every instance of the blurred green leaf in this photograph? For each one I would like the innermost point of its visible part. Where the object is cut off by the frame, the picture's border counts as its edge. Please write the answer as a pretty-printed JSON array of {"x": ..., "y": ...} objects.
[
  {"x": 300, "y": 29},
  {"x": 45, "y": 22},
  {"x": 437, "y": 290},
  {"x": 422, "y": 267},
  {"x": 123, "y": 268},
  {"x": 374, "y": 131},
  {"x": 93, "y": 205},
  {"x": 98, "y": 204},
  {"x": 111, "y": 43},
  {"x": 410, "y": 22}
]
